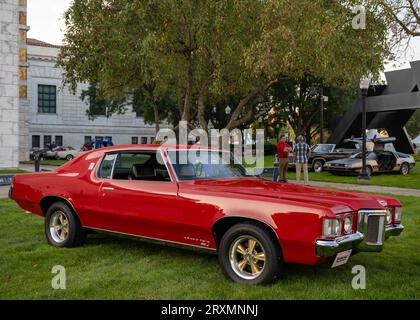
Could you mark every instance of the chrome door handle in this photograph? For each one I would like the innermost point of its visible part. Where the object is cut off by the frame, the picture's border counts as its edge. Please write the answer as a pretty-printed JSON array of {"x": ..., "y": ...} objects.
[{"x": 108, "y": 188}]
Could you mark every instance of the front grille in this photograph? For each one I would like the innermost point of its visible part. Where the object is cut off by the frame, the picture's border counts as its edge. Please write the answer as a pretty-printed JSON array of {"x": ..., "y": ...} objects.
[{"x": 373, "y": 224}]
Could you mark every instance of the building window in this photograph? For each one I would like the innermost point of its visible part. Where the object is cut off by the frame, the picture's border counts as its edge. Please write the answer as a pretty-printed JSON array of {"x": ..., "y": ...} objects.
[
  {"x": 47, "y": 98},
  {"x": 59, "y": 141},
  {"x": 134, "y": 140},
  {"x": 47, "y": 141},
  {"x": 36, "y": 141},
  {"x": 143, "y": 140}
]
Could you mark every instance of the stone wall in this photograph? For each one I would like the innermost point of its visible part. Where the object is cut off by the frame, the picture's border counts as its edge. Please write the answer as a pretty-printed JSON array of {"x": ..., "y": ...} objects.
[
  {"x": 13, "y": 76},
  {"x": 9, "y": 83}
]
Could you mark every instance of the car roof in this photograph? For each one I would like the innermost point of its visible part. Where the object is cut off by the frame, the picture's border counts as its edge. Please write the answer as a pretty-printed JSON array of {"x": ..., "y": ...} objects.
[{"x": 153, "y": 147}]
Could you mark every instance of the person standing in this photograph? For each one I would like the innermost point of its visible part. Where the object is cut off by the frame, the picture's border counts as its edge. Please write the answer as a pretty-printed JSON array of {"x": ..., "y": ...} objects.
[
  {"x": 283, "y": 150},
  {"x": 302, "y": 152}
]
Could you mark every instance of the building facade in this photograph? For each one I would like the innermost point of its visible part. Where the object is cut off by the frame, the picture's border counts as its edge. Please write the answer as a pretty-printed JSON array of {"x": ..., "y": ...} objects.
[
  {"x": 13, "y": 77},
  {"x": 57, "y": 115}
]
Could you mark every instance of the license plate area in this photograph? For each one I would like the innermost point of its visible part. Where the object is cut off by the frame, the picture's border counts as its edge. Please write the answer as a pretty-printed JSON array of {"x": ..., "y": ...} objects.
[{"x": 341, "y": 258}]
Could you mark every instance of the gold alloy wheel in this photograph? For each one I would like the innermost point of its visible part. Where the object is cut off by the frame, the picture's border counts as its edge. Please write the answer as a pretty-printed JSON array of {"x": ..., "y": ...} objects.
[
  {"x": 247, "y": 257},
  {"x": 59, "y": 226}
]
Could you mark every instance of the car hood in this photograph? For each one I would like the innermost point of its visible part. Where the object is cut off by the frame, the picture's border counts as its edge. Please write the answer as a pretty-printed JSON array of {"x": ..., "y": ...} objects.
[{"x": 334, "y": 200}]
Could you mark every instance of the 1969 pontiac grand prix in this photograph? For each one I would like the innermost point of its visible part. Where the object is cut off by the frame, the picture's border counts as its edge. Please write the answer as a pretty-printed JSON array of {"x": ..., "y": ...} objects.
[{"x": 255, "y": 226}]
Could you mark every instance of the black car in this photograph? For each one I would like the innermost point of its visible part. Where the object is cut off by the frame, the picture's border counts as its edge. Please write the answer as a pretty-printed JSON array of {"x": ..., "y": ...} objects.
[
  {"x": 321, "y": 153},
  {"x": 42, "y": 153}
]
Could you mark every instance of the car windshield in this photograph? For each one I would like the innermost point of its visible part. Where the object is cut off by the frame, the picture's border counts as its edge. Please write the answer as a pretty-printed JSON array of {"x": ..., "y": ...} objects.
[
  {"x": 205, "y": 164},
  {"x": 323, "y": 148}
]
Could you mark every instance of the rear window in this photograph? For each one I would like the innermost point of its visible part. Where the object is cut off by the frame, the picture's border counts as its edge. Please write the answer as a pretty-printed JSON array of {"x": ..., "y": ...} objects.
[{"x": 105, "y": 170}]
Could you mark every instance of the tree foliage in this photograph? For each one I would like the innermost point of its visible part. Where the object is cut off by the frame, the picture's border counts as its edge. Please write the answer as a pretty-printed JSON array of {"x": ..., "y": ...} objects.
[{"x": 204, "y": 53}]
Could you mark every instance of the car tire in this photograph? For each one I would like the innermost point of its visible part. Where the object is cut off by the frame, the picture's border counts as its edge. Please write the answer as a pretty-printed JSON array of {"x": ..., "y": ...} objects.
[
  {"x": 405, "y": 168},
  {"x": 318, "y": 166},
  {"x": 62, "y": 226},
  {"x": 262, "y": 265},
  {"x": 69, "y": 157},
  {"x": 369, "y": 171}
]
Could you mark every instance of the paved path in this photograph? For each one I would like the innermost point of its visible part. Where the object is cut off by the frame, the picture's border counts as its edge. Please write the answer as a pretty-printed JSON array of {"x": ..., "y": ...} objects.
[
  {"x": 365, "y": 188},
  {"x": 30, "y": 167}
]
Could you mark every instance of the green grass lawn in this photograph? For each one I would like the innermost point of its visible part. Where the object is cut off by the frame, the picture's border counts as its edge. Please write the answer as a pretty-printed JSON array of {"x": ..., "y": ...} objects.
[
  {"x": 412, "y": 180},
  {"x": 51, "y": 162},
  {"x": 12, "y": 171},
  {"x": 115, "y": 268}
]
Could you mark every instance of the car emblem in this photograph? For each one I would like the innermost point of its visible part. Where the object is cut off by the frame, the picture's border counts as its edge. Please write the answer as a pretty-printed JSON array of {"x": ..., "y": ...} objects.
[{"x": 383, "y": 203}]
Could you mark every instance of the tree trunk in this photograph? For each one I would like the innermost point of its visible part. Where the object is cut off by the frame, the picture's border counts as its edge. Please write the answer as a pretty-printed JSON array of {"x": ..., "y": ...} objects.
[
  {"x": 234, "y": 120},
  {"x": 186, "y": 112},
  {"x": 201, "y": 108}
]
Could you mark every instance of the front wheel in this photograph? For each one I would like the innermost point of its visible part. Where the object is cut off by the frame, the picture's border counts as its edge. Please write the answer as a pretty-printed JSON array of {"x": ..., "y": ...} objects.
[
  {"x": 249, "y": 254},
  {"x": 318, "y": 166},
  {"x": 405, "y": 169},
  {"x": 69, "y": 157},
  {"x": 62, "y": 226}
]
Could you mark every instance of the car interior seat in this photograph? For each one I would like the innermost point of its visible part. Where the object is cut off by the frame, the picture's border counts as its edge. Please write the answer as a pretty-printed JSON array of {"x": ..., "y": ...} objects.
[
  {"x": 187, "y": 171},
  {"x": 142, "y": 172}
]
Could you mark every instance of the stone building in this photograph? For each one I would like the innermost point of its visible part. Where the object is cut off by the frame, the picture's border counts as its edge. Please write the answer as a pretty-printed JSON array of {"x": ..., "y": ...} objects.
[
  {"x": 57, "y": 115},
  {"x": 35, "y": 109},
  {"x": 13, "y": 78}
]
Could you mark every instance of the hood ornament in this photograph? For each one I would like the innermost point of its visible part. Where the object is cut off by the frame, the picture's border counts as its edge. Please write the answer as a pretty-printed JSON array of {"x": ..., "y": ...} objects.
[{"x": 383, "y": 203}]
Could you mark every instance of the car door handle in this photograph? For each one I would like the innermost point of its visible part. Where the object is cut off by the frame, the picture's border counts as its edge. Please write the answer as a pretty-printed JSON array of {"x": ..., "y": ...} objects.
[{"x": 108, "y": 188}]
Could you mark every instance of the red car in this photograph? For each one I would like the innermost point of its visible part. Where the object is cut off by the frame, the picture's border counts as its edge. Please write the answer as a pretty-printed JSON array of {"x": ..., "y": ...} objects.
[{"x": 255, "y": 226}]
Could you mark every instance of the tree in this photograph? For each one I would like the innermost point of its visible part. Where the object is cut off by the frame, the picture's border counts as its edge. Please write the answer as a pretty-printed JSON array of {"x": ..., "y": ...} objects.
[
  {"x": 298, "y": 103},
  {"x": 204, "y": 51},
  {"x": 406, "y": 16},
  {"x": 413, "y": 125}
]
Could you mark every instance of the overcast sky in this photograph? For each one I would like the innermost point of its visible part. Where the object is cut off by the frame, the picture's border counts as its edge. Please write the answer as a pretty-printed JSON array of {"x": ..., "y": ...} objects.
[{"x": 45, "y": 18}]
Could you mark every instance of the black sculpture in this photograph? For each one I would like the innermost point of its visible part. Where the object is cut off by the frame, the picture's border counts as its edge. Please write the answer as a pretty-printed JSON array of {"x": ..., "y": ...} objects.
[{"x": 389, "y": 107}]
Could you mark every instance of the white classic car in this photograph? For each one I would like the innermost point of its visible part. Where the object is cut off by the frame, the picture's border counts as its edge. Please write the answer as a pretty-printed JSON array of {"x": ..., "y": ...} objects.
[{"x": 67, "y": 153}]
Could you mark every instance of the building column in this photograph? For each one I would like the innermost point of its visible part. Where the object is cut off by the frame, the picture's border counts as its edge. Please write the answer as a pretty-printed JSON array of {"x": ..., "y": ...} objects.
[
  {"x": 9, "y": 84},
  {"x": 23, "y": 89}
]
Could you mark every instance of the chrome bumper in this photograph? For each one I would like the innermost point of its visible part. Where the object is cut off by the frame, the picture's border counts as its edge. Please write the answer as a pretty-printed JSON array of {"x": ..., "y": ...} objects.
[{"x": 327, "y": 248}]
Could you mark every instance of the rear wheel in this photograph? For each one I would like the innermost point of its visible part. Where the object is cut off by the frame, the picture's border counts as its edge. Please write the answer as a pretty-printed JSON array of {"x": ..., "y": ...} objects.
[
  {"x": 62, "y": 226},
  {"x": 405, "y": 169},
  {"x": 249, "y": 254},
  {"x": 369, "y": 171}
]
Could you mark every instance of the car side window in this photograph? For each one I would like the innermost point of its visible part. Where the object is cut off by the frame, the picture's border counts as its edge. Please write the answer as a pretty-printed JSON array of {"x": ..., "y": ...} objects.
[
  {"x": 105, "y": 170},
  {"x": 140, "y": 165}
]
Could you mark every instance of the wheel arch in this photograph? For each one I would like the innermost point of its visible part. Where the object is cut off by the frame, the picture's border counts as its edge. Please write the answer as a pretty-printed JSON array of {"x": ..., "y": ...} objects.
[
  {"x": 47, "y": 201},
  {"x": 320, "y": 159},
  {"x": 223, "y": 224}
]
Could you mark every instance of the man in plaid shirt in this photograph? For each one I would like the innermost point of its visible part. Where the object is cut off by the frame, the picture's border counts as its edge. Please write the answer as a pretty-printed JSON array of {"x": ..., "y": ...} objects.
[{"x": 302, "y": 151}]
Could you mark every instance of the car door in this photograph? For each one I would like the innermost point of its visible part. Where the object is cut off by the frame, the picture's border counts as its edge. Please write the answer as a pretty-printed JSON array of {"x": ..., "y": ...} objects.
[{"x": 145, "y": 208}]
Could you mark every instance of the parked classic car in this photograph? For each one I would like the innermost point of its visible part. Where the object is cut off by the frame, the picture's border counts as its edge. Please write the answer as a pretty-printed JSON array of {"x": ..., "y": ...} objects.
[
  {"x": 321, "y": 153},
  {"x": 254, "y": 225},
  {"x": 377, "y": 161},
  {"x": 67, "y": 153},
  {"x": 43, "y": 153}
]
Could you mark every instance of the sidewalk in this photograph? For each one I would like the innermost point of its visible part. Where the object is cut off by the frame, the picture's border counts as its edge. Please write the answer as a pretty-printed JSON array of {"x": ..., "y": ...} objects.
[
  {"x": 30, "y": 167},
  {"x": 365, "y": 188}
]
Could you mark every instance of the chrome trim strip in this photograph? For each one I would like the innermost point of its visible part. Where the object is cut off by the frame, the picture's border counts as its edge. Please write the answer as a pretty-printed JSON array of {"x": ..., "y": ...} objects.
[
  {"x": 326, "y": 248},
  {"x": 150, "y": 238}
]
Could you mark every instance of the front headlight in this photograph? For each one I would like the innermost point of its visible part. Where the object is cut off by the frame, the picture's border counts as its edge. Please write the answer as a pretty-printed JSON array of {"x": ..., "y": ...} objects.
[
  {"x": 388, "y": 216},
  {"x": 331, "y": 227},
  {"x": 398, "y": 214},
  {"x": 348, "y": 224}
]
